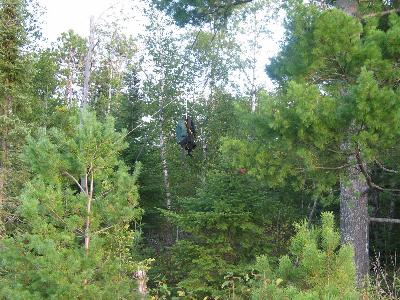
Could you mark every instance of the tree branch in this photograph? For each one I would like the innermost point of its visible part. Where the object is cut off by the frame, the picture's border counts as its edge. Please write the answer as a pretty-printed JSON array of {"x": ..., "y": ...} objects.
[
  {"x": 91, "y": 180},
  {"x": 370, "y": 183},
  {"x": 333, "y": 168},
  {"x": 103, "y": 229},
  {"x": 384, "y": 168},
  {"x": 384, "y": 220},
  {"x": 380, "y": 14},
  {"x": 59, "y": 218},
  {"x": 326, "y": 168},
  {"x": 312, "y": 211},
  {"x": 74, "y": 179}
]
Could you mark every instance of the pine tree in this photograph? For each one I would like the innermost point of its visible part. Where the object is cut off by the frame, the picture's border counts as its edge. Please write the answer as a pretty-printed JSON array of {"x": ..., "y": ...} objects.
[
  {"x": 317, "y": 267},
  {"x": 199, "y": 12},
  {"x": 334, "y": 115},
  {"x": 74, "y": 241},
  {"x": 18, "y": 30},
  {"x": 232, "y": 218}
]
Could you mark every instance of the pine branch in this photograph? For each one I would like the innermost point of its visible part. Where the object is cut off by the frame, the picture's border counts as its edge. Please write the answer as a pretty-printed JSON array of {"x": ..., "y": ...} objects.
[{"x": 59, "y": 217}]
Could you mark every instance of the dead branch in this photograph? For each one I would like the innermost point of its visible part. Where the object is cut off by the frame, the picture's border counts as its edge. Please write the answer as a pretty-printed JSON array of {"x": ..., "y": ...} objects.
[
  {"x": 380, "y": 14},
  {"x": 76, "y": 181},
  {"x": 384, "y": 168},
  {"x": 384, "y": 220}
]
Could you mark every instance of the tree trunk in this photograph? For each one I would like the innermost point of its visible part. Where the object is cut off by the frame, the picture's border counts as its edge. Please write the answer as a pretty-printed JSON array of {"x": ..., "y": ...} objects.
[
  {"x": 253, "y": 66},
  {"x": 110, "y": 88},
  {"x": 163, "y": 154},
  {"x": 354, "y": 217},
  {"x": 88, "y": 64},
  {"x": 349, "y": 6},
  {"x": 168, "y": 229},
  {"x": 69, "y": 83},
  {"x": 2, "y": 182},
  {"x": 141, "y": 277},
  {"x": 89, "y": 195},
  {"x": 163, "y": 149},
  {"x": 392, "y": 209}
]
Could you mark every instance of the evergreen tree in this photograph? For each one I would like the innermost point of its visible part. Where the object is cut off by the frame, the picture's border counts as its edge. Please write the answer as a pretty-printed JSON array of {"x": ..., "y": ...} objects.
[
  {"x": 74, "y": 240},
  {"x": 232, "y": 218},
  {"x": 199, "y": 12},
  {"x": 317, "y": 267},
  {"x": 321, "y": 130},
  {"x": 18, "y": 30}
]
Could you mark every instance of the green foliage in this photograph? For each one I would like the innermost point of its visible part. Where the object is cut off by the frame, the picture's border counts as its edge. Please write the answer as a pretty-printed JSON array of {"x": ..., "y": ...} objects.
[
  {"x": 17, "y": 32},
  {"x": 231, "y": 219},
  {"x": 317, "y": 267},
  {"x": 252, "y": 174},
  {"x": 344, "y": 93},
  {"x": 46, "y": 258},
  {"x": 70, "y": 51},
  {"x": 197, "y": 13}
]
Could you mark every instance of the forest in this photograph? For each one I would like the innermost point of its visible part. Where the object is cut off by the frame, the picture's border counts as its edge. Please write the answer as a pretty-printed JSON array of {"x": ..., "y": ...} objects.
[{"x": 158, "y": 165}]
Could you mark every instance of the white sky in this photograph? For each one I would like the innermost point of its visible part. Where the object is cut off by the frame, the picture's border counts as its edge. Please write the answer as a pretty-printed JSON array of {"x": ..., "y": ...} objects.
[{"x": 62, "y": 15}]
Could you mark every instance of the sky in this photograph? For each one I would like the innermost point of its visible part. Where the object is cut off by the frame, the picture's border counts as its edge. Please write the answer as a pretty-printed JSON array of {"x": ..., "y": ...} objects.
[{"x": 62, "y": 15}]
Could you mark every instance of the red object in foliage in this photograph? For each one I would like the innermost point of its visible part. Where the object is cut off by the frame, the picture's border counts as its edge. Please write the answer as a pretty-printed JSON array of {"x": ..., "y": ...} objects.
[{"x": 242, "y": 171}]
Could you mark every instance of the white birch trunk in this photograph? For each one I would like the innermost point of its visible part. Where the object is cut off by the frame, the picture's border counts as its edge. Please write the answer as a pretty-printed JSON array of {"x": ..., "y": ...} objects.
[
  {"x": 163, "y": 149},
  {"x": 110, "y": 89},
  {"x": 163, "y": 154},
  {"x": 254, "y": 63},
  {"x": 88, "y": 64}
]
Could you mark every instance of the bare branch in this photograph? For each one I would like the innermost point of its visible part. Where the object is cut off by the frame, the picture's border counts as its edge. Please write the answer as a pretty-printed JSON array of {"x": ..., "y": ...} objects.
[
  {"x": 380, "y": 14},
  {"x": 368, "y": 177},
  {"x": 104, "y": 229},
  {"x": 333, "y": 168},
  {"x": 74, "y": 179},
  {"x": 384, "y": 168},
  {"x": 382, "y": 189},
  {"x": 326, "y": 168},
  {"x": 312, "y": 211},
  {"x": 384, "y": 220}
]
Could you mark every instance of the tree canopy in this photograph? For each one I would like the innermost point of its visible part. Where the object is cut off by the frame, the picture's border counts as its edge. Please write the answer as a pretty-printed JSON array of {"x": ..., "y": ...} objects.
[{"x": 290, "y": 193}]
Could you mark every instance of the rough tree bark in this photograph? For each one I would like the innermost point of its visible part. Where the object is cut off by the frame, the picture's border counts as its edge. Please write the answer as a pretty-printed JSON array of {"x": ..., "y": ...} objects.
[
  {"x": 354, "y": 217},
  {"x": 349, "y": 6}
]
